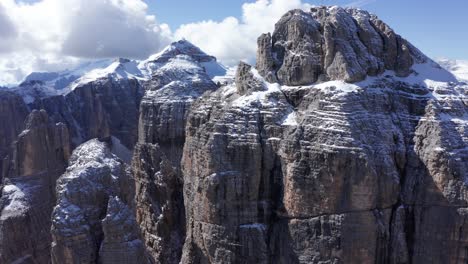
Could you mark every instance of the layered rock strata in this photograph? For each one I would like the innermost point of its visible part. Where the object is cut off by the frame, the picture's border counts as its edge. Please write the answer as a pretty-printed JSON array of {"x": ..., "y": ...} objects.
[
  {"x": 28, "y": 194},
  {"x": 344, "y": 145},
  {"x": 93, "y": 221},
  {"x": 328, "y": 173},
  {"x": 340, "y": 171},
  {"x": 13, "y": 112},
  {"x": 332, "y": 44},
  {"x": 177, "y": 82}
]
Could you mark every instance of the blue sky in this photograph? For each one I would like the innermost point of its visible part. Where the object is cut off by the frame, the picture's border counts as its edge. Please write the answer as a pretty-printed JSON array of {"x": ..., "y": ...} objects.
[{"x": 440, "y": 29}]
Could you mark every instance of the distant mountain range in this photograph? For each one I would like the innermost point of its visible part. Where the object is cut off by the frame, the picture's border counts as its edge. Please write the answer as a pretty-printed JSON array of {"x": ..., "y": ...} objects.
[{"x": 458, "y": 67}]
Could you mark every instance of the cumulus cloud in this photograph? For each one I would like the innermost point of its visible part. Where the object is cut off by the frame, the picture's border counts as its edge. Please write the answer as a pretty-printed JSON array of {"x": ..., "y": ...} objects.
[
  {"x": 232, "y": 39},
  {"x": 113, "y": 28},
  {"x": 7, "y": 31},
  {"x": 44, "y": 35}
]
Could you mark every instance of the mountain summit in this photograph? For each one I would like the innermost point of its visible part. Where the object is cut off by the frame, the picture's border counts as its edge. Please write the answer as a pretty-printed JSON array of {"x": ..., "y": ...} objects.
[{"x": 333, "y": 43}]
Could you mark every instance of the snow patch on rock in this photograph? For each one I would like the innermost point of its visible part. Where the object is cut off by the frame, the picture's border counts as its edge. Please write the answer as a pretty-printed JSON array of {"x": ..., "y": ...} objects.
[
  {"x": 290, "y": 120},
  {"x": 33, "y": 90},
  {"x": 262, "y": 97},
  {"x": 16, "y": 194},
  {"x": 119, "y": 70}
]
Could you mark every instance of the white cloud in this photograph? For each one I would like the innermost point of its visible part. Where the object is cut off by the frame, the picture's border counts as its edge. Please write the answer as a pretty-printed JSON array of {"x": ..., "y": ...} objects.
[
  {"x": 232, "y": 40},
  {"x": 55, "y": 34},
  {"x": 113, "y": 28},
  {"x": 7, "y": 31}
]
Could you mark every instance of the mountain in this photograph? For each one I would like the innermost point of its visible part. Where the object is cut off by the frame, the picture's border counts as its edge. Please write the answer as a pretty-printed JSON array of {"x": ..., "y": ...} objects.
[
  {"x": 458, "y": 67},
  {"x": 39, "y": 85},
  {"x": 102, "y": 103},
  {"x": 343, "y": 144},
  {"x": 184, "y": 47},
  {"x": 120, "y": 69},
  {"x": 60, "y": 80}
]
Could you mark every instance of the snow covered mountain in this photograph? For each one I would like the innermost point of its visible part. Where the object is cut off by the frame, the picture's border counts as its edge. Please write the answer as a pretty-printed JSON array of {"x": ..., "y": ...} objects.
[
  {"x": 45, "y": 84},
  {"x": 120, "y": 69},
  {"x": 344, "y": 144},
  {"x": 60, "y": 80},
  {"x": 184, "y": 47},
  {"x": 458, "y": 67},
  {"x": 33, "y": 90},
  {"x": 143, "y": 70}
]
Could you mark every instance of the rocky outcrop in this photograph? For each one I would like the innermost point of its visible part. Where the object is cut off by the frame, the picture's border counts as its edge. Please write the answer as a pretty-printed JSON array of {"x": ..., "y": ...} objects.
[
  {"x": 42, "y": 147},
  {"x": 13, "y": 112},
  {"x": 329, "y": 173},
  {"x": 39, "y": 157},
  {"x": 100, "y": 109},
  {"x": 93, "y": 221},
  {"x": 344, "y": 145},
  {"x": 107, "y": 107},
  {"x": 163, "y": 113},
  {"x": 99, "y": 104},
  {"x": 332, "y": 43},
  {"x": 246, "y": 81},
  {"x": 122, "y": 243}
]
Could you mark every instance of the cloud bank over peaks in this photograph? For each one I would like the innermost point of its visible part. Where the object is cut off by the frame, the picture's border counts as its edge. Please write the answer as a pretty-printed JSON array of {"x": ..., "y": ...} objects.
[{"x": 53, "y": 34}]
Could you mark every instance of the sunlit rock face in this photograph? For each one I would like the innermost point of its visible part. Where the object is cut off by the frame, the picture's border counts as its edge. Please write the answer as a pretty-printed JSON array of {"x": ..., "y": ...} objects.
[
  {"x": 345, "y": 145},
  {"x": 332, "y": 43}
]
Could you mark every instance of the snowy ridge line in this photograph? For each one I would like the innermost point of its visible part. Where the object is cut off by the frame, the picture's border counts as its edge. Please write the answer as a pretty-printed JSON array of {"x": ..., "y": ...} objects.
[{"x": 40, "y": 85}]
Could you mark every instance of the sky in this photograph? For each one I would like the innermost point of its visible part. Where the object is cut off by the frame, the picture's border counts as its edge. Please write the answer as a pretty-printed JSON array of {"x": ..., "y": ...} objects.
[{"x": 51, "y": 35}]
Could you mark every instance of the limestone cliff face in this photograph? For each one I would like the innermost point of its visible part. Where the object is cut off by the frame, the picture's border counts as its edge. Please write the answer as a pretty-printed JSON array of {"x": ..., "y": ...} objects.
[
  {"x": 39, "y": 157},
  {"x": 332, "y": 44},
  {"x": 344, "y": 144},
  {"x": 98, "y": 109},
  {"x": 93, "y": 221},
  {"x": 178, "y": 81},
  {"x": 13, "y": 112},
  {"x": 105, "y": 109},
  {"x": 327, "y": 173},
  {"x": 333, "y": 172}
]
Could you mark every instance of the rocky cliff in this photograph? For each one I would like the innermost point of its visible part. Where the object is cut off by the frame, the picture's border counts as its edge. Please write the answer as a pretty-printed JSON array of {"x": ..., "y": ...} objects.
[
  {"x": 332, "y": 44},
  {"x": 180, "y": 78},
  {"x": 36, "y": 153},
  {"x": 331, "y": 164},
  {"x": 13, "y": 112},
  {"x": 344, "y": 144},
  {"x": 38, "y": 158},
  {"x": 93, "y": 220}
]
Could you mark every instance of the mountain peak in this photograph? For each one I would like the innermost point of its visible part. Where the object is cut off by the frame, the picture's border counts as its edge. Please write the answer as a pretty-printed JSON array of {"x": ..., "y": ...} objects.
[
  {"x": 333, "y": 43},
  {"x": 181, "y": 47},
  {"x": 184, "y": 49}
]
